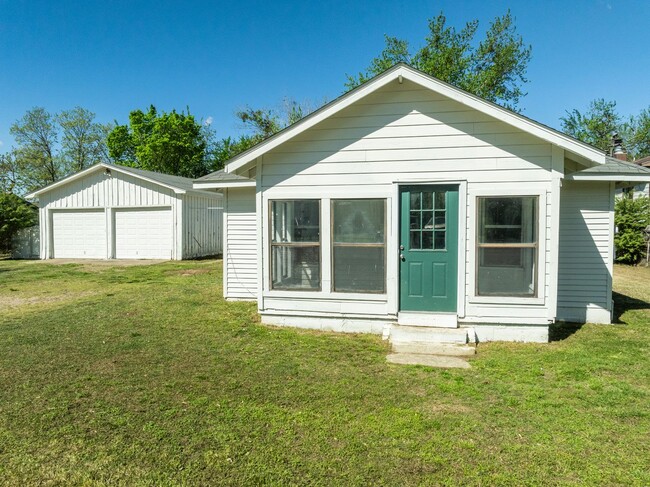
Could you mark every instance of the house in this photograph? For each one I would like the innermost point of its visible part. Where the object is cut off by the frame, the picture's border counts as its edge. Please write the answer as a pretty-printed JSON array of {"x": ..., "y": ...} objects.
[
  {"x": 114, "y": 212},
  {"x": 410, "y": 203},
  {"x": 643, "y": 189}
]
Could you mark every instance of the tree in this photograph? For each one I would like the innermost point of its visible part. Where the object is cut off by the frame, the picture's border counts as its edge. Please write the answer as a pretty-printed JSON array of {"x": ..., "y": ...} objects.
[
  {"x": 639, "y": 140},
  {"x": 83, "y": 141},
  {"x": 172, "y": 143},
  {"x": 15, "y": 213},
  {"x": 36, "y": 135},
  {"x": 596, "y": 126},
  {"x": 493, "y": 69},
  {"x": 631, "y": 217},
  {"x": 11, "y": 180},
  {"x": 53, "y": 146}
]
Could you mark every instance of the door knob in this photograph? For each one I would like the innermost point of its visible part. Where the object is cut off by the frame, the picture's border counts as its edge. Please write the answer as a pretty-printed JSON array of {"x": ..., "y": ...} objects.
[{"x": 401, "y": 257}]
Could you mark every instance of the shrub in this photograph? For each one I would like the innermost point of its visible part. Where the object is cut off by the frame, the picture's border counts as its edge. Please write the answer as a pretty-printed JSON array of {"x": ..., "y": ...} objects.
[
  {"x": 631, "y": 218},
  {"x": 15, "y": 213}
]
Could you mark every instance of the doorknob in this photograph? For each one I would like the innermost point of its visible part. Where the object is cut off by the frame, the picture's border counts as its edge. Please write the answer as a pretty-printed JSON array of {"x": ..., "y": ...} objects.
[{"x": 401, "y": 257}]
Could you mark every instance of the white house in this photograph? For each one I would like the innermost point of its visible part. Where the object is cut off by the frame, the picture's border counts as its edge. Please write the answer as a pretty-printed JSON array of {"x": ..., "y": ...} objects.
[
  {"x": 409, "y": 202},
  {"x": 114, "y": 212}
]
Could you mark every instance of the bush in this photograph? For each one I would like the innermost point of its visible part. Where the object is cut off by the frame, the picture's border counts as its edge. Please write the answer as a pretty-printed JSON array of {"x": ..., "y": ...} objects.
[
  {"x": 631, "y": 218},
  {"x": 15, "y": 213}
]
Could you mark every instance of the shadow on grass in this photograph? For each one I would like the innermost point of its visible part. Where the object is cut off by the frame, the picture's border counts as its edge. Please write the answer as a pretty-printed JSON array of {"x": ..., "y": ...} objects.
[
  {"x": 562, "y": 330},
  {"x": 623, "y": 303}
]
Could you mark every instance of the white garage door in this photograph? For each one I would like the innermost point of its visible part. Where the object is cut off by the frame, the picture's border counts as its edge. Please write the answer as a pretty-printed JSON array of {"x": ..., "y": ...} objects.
[
  {"x": 143, "y": 234},
  {"x": 79, "y": 234}
]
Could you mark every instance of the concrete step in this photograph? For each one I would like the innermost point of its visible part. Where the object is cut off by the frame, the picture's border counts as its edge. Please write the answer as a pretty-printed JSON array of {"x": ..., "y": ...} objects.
[
  {"x": 428, "y": 348},
  {"x": 428, "y": 360},
  {"x": 423, "y": 334}
]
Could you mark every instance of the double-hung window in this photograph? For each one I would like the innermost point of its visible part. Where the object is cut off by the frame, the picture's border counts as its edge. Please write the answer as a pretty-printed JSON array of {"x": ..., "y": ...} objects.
[
  {"x": 295, "y": 244},
  {"x": 359, "y": 245},
  {"x": 507, "y": 244}
]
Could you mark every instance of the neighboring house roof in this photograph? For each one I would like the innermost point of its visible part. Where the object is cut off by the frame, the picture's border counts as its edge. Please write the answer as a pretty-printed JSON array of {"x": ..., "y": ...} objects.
[
  {"x": 644, "y": 161},
  {"x": 225, "y": 180},
  {"x": 585, "y": 153},
  {"x": 613, "y": 170},
  {"x": 178, "y": 184}
]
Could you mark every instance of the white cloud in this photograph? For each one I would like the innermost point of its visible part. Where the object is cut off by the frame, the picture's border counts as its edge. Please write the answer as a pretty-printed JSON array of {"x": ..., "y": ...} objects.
[{"x": 208, "y": 121}]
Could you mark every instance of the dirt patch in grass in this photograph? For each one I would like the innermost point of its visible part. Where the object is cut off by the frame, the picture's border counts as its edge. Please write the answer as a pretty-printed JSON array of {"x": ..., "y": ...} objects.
[
  {"x": 193, "y": 272},
  {"x": 8, "y": 301}
]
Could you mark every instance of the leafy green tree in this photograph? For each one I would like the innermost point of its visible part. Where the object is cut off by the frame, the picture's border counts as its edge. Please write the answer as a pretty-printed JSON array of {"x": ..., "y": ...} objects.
[
  {"x": 36, "y": 134},
  {"x": 596, "y": 125},
  {"x": 15, "y": 213},
  {"x": 50, "y": 147},
  {"x": 11, "y": 180},
  {"x": 631, "y": 217},
  {"x": 83, "y": 140},
  {"x": 172, "y": 143},
  {"x": 639, "y": 140},
  {"x": 494, "y": 68}
]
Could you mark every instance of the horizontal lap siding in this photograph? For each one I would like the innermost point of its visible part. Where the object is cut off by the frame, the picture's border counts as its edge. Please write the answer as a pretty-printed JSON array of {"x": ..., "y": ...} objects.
[
  {"x": 202, "y": 221},
  {"x": 584, "y": 277},
  {"x": 240, "y": 257},
  {"x": 403, "y": 132}
]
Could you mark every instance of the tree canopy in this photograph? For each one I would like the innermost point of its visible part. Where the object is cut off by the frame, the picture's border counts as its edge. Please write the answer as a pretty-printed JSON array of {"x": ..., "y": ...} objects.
[
  {"x": 493, "y": 68},
  {"x": 171, "y": 143},
  {"x": 600, "y": 121}
]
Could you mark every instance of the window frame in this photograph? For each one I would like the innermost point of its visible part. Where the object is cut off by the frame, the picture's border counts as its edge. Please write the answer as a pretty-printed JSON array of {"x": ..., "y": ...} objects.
[
  {"x": 272, "y": 245},
  {"x": 536, "y": 246},
  {"x": 383, "y": 245}
]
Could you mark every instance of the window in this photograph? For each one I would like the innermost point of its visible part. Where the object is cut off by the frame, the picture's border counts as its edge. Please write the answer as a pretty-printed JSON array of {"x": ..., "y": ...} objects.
[
  {"x": 359, "y": 245},
  {"x": 295, "y": 244},
  {"x": 427, "y": 220},
  {"x": 507, "y": 246}
]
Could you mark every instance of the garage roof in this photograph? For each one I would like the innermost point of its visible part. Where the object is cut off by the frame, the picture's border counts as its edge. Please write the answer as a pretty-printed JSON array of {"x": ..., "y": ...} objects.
[{"x": 178, "y": 184}]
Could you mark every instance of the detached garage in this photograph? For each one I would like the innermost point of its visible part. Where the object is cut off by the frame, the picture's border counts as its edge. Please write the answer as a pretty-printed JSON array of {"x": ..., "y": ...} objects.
[{"x": 115, "y": 212}]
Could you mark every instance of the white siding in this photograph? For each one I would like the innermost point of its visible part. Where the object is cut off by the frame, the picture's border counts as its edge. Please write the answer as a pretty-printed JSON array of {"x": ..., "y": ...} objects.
[
  {"x": 202, "y": 218},
  {"x": 584, "y": 280},
  {"x": 404, "y": 133},
  {"x": 240, "y": 249}
]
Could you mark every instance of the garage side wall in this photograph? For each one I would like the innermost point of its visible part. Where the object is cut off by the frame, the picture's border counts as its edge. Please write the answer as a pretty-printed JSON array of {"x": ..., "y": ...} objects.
[
  {"x": 202, "y": 221},
  {"x": 585, "y": 268},
  {"x": 240, "y": 245},
  {"x": 107, "y": 193}
]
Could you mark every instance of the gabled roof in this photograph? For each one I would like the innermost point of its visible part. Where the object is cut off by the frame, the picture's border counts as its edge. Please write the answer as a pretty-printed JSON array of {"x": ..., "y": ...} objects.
[
  {"x": 613, "y": 170},
  {"x": 397, "y": 72},
  {"x": 225, "y": 180},
  {"x": 177, "y": 184},
  {"x": 644, "y": 161}
]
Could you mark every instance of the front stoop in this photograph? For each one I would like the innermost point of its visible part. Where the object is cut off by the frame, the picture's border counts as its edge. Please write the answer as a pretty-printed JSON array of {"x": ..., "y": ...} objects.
[{"x": 433, "y": 347}]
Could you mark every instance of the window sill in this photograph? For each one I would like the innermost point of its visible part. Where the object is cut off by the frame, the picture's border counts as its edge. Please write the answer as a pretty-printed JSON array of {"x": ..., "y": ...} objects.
[
  {"x": 330, "y": 296},
  {"x": 505, "y": 300}
]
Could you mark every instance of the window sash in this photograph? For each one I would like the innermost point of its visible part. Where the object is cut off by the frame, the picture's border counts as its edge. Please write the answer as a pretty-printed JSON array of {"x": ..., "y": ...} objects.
[
  {"x": 534, "y": 246},
  {"x": 292, "y": 244},
  {"x": 369, "y": 245}
]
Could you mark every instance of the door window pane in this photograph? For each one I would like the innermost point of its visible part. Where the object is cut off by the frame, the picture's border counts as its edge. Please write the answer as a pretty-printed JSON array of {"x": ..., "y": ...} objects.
[
  {"x": 296, "y": 267},
  {"x": 359, "y": 244},
  {"x": 423, "y": 221}
]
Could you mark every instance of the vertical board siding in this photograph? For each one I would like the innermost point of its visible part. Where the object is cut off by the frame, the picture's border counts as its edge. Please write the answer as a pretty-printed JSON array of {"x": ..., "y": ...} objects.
[
  {"x": 202, "y": 219},
  {"x": 583, "y": 280},
  {"x": 407, "y": 133},
  {"x": 97, "y": 190},
  {"x": 240, "y": 257}
]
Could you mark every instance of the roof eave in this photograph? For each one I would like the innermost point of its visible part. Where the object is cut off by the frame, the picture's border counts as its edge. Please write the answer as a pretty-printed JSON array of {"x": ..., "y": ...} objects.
[
  {"x": 519, "y": 121},
  {"x": 223, "y": 184},
  {"x": 639, "y": 178}
]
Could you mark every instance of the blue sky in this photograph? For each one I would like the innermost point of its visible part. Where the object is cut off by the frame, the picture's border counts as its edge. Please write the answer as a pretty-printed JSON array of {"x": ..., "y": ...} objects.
[{"x": 216, "y": 57}]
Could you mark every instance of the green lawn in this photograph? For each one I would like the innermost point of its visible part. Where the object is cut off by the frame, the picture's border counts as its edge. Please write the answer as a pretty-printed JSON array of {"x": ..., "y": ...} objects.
[{"x": 144, "y": 375}]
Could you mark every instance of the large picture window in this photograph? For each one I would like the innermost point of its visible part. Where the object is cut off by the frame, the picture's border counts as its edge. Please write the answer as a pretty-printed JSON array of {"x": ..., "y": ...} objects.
[
  {"x": 359, "y": 245},
  {"x": 507, "y": 243},
  {"x": 295, "y": 244}
]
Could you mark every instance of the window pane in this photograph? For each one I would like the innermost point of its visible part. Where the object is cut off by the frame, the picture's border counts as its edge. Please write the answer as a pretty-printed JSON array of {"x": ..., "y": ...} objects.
[
  {"x": 427, "y": 220},
  {"x": 358, "y": 221},
  {"x": 295, "y": 267},
  {"x": 506, "y": 272},
  {"x": 427, "y": 200},
  {"x": 427, "y": 240},
  {"x": 440, "y": 200},
  {"x": 295, "y": 221},
  {"x": 415, "y": 240},
  {"x": 359, "y": 269},
  {"x": 416, "y": 220},
  {"x": 415, "y": 201},
  {"x": 508, "y": 220},
  {"x": 440, "y": 240}
]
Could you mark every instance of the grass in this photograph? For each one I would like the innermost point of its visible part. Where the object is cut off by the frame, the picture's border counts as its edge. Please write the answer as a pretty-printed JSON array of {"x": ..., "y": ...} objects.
[{"x": 144, "y": 375}]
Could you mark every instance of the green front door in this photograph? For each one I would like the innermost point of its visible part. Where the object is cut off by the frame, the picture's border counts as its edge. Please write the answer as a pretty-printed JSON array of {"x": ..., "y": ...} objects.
[{"x": 428, "y": 248}]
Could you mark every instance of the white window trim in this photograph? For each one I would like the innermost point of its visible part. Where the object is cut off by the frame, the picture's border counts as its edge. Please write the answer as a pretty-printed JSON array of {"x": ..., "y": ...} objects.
[{"x": 508, "y": 192}]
